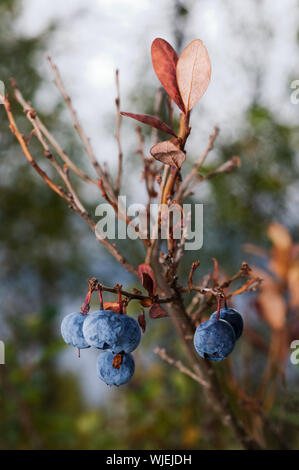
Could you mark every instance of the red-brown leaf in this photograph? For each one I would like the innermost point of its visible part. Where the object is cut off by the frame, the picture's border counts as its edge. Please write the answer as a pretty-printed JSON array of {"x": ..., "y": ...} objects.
[
  {"x": 157, "y": 311},
  {"x": 113, "y": 306},
  {"x": 151, "y": 121},
  {"x": 147, "y": 278},
  {"x": 142, "y": 321},
  {"x": 164, "y": 60},
  {"x": 168, "y": 153},
  {"x": 270, "y": 302},
  {"x": 193, "y": 73},
  {"x": 146, "y": 302}
]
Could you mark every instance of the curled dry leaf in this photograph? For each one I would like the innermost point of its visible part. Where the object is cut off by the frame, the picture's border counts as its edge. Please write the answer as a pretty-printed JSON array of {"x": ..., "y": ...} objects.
[
  {"x": 193, "y": 73},
  {"x": 270, "y": 302},
  {"x": 151, "y": 121},
  {"x": 293, "y": 284},
  {"x": 168, "y": 153},
  {"x": 146, "y": 302},
  {"x": 157, "y": 311},
  {"x": 279, "y": 236},
  {"x": 281, "y": 251},
  {"x": 113, "y": 306},
  {"x": 272, "y": 307},
  {"x": 165, "y": 60},
  {"x": 142, "y": 321},
  {"x": 147, "y": 278}
]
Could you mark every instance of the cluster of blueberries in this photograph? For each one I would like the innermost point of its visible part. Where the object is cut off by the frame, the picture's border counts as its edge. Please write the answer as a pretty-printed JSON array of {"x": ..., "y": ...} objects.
[
  {"x": 215, "y": 338},
  {"x": 116, "y": 334}
]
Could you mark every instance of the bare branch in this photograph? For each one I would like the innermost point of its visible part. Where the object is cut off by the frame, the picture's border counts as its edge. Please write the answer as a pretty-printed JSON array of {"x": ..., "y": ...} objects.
[
  {"x": 130, "y": 295},
  {"x": 198, "y": 164},
  {"x": 51, "y": 139},
  {"x": 118, "y": 124},
  {"x": 226, "y": 167},
  {"x": 20, "y": 137},
  {"x": 60, "y": 191},
  {"x": 180, "y": 366},
  {"x": 85, "y": 140},
  {"x": 157, "y": 106}
]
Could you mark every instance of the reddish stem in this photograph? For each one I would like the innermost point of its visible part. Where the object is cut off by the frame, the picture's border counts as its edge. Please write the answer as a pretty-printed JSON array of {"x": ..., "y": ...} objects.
[
  {"x": 85, "y": 306},
  {"x": 218, "y": 307}
]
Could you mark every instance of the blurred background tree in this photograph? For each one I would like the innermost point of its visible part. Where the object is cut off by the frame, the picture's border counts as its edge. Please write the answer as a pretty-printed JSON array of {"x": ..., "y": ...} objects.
[{"x": 44, "y": 403}]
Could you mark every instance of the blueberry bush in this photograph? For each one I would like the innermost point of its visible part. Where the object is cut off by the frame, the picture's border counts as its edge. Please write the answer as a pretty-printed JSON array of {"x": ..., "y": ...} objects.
[{"x": 208, "y": 326}]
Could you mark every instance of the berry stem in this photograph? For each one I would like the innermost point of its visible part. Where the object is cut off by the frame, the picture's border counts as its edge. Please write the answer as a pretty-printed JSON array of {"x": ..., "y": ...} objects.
[
  {"x": 218, "y": 307},
  {"x": 85, "y": 306}
]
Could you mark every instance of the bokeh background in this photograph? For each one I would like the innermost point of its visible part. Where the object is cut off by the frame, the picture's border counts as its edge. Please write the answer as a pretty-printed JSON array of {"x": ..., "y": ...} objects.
[{"x": 50, "y": 399}]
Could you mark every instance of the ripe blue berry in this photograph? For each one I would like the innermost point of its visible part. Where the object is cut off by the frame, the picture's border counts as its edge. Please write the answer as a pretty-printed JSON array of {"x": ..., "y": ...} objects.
[
  {"x": 214, "y": 339},
  {"x": 115, "y": 376},
  {"x": 71, "y": 330},
  {"x": 233, "y": 318},
  {"x": 106, "y": 329}
]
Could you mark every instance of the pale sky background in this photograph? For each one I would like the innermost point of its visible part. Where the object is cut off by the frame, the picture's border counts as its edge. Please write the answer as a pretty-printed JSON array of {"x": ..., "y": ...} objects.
[{"x": 95, "y": 37}]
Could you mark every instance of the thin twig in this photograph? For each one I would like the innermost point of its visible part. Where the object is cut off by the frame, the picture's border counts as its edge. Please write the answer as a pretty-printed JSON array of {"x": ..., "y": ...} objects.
[
  {"x": 85, "y": 140},
  {"x": 180, "y": 366},
  {"x": 61, "y": 171},
  {"x": 130, "y": 295},
  {"x": 198, "y": 164},
  {"x": 51, "y": 139},
  {"x": 118, "y": 124},
  {"x": 157, "y": 106},
  {"x": 60, "y": 191},
  {"x": 20, "y": 137},
  {"x": 226, "y": 167},
  {"x": 155, "y": 241}
]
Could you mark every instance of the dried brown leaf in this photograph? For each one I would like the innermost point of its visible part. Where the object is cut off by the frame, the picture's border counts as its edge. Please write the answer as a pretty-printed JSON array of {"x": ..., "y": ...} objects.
[
  {"x": 168, "y": 153},
  {"x": 270, "y": 302},
  {"x": 146, "y": 302},
  {"x": 113, "y": 306},
  {"x": 281, "y": 252},
  {"x": 293, "y": 284},
  {"x": 193, "y": 73},
  {"x": 151, "y": 121},
  {"x": 142, "y": 321},
  {"x": 165, "y": 60},
  {"x": 157, "y": 311},
  {"x": 147, "y": 278},
  {"x": 279, "y": 236}
]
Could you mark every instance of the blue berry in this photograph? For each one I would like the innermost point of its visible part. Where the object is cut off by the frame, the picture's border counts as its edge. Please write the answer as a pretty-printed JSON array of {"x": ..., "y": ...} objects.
[
  {"x": 233, "y": 318},
  {"x": 106, "y": 329},
  {"x": 111, "y": 375},
  {"x": 214, "y": 339},
  {"x": 131, "y": 336},
  {"x": 71, "y": 330}
]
